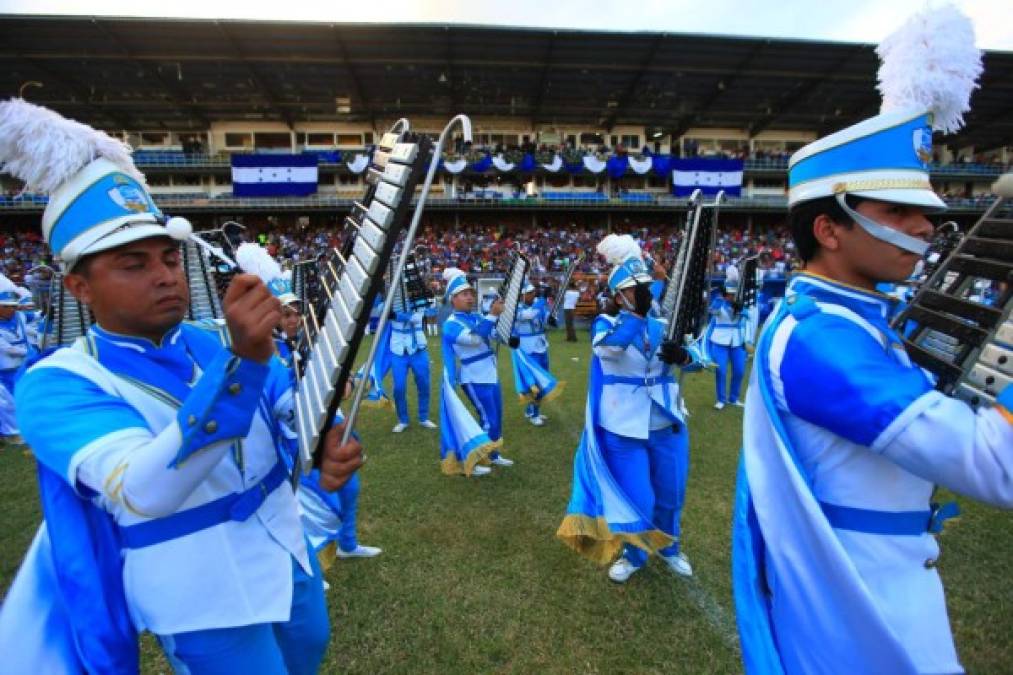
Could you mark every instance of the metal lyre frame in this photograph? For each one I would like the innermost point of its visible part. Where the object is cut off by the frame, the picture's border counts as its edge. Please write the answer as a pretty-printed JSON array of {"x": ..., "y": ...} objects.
[
  {"x": 686, "y": 311},
  {"x": 557, "y": 302},
  {"x": 363, "y": 384},
  {"x": 509, "y": 292},
  {"x": 56, "y": 312},
  {"x": 966, "y": 344},
  {"x": 745, "y": 295},
  {"x": 673, "y": 288}
]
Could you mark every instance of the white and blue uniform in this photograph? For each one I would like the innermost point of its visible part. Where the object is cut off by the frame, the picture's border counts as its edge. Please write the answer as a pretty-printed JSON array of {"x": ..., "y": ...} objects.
[
  {"x": 529, "y": 326},
  {"x": 467, "y": 339},
  {"x": 726, "y": 340},
  {"x": 409, "y": 352},
  {"x": 632, "y": 463},
  {"x": 646, "y": 443},
  {"x": 173, "y": 451},
  {"x": 15, "y": 346},
  {"x": 845, "y": 442}
]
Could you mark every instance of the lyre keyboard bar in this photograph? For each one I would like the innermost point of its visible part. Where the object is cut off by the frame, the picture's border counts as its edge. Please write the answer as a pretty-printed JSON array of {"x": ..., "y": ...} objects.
[{"x": 350, "y": 280}]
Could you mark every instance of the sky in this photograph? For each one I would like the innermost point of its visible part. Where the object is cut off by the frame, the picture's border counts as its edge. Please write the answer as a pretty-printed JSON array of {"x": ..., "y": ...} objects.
[{"x": 839, "y": 20}]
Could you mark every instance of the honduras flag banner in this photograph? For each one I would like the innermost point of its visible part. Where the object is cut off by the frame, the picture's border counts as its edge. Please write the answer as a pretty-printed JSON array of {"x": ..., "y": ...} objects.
[
  {"x": 264, "y": 175},
  {"x": 708, "y": 175}
]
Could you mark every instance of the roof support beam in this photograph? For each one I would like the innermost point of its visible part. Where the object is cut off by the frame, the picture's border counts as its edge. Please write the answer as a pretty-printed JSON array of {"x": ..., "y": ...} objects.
[
  {"x": 538, "y": 95},
  {"x": 358, "y": 91},
  {"x": 687, "y": 121},
  {"x": 631, "y": 88},
  {"x": 804, "y": 91},
  {"x": 177, "y": 95},
  {"x": 266, "y": 91},
  {"x": 488, "y": 62},
  {"x": 54, "y": 73}
]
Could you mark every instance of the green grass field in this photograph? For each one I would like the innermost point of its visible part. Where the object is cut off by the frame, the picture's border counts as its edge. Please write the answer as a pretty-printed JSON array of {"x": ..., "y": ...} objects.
[{"x": 472, "y": 578}]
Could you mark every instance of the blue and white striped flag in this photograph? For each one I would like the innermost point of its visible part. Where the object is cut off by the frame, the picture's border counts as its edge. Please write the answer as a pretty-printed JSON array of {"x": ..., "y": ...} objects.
[
  {"x": 263, "y": 175},
  {"x": 709, "y": 175}
]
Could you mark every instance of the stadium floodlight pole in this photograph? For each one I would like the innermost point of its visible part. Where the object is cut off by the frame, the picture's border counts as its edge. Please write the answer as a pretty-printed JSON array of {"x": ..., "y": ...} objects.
[{"x": 406, "y": 247}]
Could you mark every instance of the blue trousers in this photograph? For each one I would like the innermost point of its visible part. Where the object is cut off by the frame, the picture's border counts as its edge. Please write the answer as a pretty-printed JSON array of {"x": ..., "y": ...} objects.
[
  {"x": 348, "y": 497},
  {"x": 488, "y": 402},
  {"x": 542, "y": 359},
  {"x": 652, "y": 472},
  {"x": 419, "y": 365},
  {"x": 294, "y": 647},
  {"x": 722, "y": 355}
]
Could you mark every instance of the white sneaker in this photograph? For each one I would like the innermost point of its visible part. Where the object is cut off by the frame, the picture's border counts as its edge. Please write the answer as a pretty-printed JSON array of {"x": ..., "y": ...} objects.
[
  {"x": 622, "y": 570},
  {"x": 679, "y": 564},
  {"x": 480, "y": 470},
  {"x": 399, "y": 427},
  {"x": 738, "y": 404},
  {"x": 503, "y": 461},
  {"x": 543, "y": 417},
  {"x": 719, "y": 406},
  {"x": 536, "y": 421},
  {"x": 359, "y": 552},
  {"x": 427, "y": 424}
]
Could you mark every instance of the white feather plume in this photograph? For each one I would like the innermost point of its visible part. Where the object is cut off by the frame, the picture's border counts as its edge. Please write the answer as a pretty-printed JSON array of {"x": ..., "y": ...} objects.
[
  {"x": 6, "y": 284},
  {"x": 618, "y": 248},
  {"x": 45, "y": 149},
  {"x": 931, "y": 63},
  {"x": 254, "y": 259},
  {"x": 451, "y": 272}
]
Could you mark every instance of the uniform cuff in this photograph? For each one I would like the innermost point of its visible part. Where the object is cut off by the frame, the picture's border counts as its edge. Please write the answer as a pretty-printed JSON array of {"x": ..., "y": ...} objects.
[
  {"x": 1004, "y": 403},
  {"x": 222, "y": 404}
]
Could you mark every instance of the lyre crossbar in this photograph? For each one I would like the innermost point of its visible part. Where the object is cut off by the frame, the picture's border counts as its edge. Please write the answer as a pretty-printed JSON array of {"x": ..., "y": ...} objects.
[{"x": 958, "y": 325}]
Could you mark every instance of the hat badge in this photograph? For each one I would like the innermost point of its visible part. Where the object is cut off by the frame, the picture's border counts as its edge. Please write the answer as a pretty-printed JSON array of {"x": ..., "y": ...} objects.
[{"x": 127, "y": 196}]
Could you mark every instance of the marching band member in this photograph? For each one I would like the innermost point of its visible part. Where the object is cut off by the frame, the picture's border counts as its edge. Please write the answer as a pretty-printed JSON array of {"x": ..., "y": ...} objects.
[
  {"x": 630, "y": 470},
  {"x": 166, "y": 504},
  {"x": 329, "y": 518},
  {"x": 409, "y": 352},
  {"x": 286, "y": 335},
  {"x": 845, "y": 440},
  {"x": 726, "y": 342},
  {"x": 533, "y": 381},
  {"x": 33, "y": 319},
  {"x": 14, "y": 348},
  {"x": 467, "y": 340}
]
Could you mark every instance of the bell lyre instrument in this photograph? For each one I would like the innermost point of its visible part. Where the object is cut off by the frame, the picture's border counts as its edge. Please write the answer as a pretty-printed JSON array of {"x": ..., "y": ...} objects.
[
  {"x": 510, "y": 294},
  {"x": 958, "y": 324},
  {"x": 352, "y": 278},
  {"x": 557, "y": 303},
  {"x": 67, "y": 318},
  {"x": 746, "y": 293},
  {"x": 686, "y": 298}
]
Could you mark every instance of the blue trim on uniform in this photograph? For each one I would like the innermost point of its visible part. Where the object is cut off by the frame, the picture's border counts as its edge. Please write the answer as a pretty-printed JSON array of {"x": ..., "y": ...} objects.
[
  {"x": 476, "y": 358},
  {"x": 893, "y": 148},
  {"x": 901, "y": 523},
  {"x": 638, "y": 381},
  {"x": 221, "y": 405},
  {"x": 627, "y": 328},
  {"x": 95, "y": 206},
  {"x": 237, "y": 506}
]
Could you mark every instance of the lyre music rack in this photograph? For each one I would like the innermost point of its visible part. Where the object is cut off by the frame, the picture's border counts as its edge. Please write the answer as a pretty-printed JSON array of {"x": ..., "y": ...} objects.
[{"x": 350, "y": 280}]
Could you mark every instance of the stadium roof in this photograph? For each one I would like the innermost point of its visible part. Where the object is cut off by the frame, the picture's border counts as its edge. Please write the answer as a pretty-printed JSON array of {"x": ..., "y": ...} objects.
[{"x": 184, "y": 74}]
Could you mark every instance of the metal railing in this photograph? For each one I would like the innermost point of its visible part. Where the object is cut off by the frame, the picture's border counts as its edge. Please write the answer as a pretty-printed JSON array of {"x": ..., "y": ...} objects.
[{"x": 155, "y": 159}]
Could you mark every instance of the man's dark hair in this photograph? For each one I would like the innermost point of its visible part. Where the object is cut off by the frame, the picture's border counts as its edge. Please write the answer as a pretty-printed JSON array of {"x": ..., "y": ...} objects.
[
  {"x": 801, "y": 217},
  {"x": 82, "y": 266}
]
